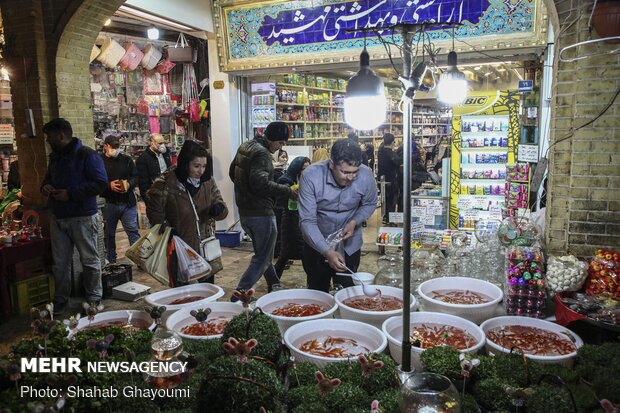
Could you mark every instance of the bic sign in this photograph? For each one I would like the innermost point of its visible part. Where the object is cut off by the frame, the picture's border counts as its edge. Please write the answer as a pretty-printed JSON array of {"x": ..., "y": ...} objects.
[{"x": 476, "y": 101}]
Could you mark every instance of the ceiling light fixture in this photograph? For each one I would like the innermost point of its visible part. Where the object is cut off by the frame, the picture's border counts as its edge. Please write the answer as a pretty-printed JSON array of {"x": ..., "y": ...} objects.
[
  {"x": 153, "y": 33},
  {"x": 4, "y": 74},
  {"x": 107, "y": 22},
  {"x": 364, "y": 105},
  {"x": 452, "y": 88}
]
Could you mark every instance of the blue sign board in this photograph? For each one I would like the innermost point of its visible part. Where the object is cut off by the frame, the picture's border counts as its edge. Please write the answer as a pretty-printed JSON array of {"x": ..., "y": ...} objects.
[
  {"x": 285, "y": 28},
  {"x": 526, "y": 86}
]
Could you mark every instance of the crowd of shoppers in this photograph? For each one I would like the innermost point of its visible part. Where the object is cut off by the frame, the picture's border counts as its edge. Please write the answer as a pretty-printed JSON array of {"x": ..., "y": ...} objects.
[{"x": 323, "y": 203}]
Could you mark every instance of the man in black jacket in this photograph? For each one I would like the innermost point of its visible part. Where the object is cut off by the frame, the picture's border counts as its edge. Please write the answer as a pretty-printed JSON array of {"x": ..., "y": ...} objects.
[
  {"x": 388, "y": 165},
  {"x": 152, "y": 163},
  {"x": 255, "y": 192},
  {"x": 119, "y": 195}
]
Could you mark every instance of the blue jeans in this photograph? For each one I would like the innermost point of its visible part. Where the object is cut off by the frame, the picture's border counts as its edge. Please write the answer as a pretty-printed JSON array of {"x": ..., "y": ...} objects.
[
  {"x": 263, "y": 232},
  {"x": 81, "y": 233},
  {"x": 128, "y": 215}
]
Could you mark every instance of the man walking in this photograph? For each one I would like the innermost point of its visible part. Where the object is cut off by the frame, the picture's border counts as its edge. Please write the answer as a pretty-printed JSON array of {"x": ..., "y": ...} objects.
[
  {"x": 335, "y": 195},
  {"x": 152, "y": 163},
  {"x": 119, "y": 195},
  {"x": 75, "y": 176},
  {"x": 255, "y": 192}
]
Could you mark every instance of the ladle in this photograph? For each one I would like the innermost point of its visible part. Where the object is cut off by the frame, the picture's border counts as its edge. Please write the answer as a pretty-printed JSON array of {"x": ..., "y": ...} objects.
[{"x": 369, "y": 291}]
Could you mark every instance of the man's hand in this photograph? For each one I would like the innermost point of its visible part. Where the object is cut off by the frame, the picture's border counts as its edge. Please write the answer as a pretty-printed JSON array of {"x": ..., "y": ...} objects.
[
  {"x": 47, "y": 190},
  {"x": 348, "y": 229},
  {"x": 294, "y": 194},
  {"x": 335, "y": 260},
  {"x": 61, "y": 195},
  {"x": 117, "y": 186}
]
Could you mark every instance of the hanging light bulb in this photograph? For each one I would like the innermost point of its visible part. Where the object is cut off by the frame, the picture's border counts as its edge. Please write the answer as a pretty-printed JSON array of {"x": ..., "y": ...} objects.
[
  {"x": 452, "y": 86},
  {"x": 4, "y": 74},
  {"x": 153, "y": 33},
  {"x": 364, "y": 106}
]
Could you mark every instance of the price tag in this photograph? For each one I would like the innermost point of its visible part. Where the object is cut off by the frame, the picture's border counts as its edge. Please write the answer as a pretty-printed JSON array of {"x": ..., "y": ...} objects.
[
  {"x": 464, "y": 203},
  {"x": 418, "y": 212},
  {"x": 495, "y": 212},
  {"x": 416, "y": 228},
  {"x": 471, "y": 214},
  {"x": 528, "y": 153},
  {"x": 434, "y": 210},
  {"x": 428, "y": 220},
  {"x": 396, "y": 217}
]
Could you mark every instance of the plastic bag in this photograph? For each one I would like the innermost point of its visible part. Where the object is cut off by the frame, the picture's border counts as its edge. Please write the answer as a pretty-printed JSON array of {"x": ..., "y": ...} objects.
[
  {"x": 565, "y": 273},
  {"x": 334, "y": 241},
  {"x": 149, "y": 253},
  {"x": 192, "y": 266}
]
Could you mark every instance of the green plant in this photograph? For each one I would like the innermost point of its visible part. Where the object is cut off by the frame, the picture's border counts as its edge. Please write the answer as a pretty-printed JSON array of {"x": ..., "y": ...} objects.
[
  {"x": 301, "y": 374},
  {"x": 469, "y": 404},
  {"x": 230, "y": 386},
  {"x": 261, "y": 327},
  {"x": 549, "y": 398},
  {"x": 490, "y": 393},
  {"x": 599, "y": 367},
  {"x": 442, "y": 360},
  {"x": 388, "y": 400},
  {"x": 345, "y": 396}
]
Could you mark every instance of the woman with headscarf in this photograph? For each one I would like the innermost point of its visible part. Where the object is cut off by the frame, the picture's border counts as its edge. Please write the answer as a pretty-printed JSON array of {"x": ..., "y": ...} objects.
[
  {"x": 292, "y": 242},
  {"x": 187, "y": 195}
]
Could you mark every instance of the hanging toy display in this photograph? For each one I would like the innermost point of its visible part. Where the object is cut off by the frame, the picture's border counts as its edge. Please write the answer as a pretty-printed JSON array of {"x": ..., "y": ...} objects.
[{"x": 525, "y": 282}]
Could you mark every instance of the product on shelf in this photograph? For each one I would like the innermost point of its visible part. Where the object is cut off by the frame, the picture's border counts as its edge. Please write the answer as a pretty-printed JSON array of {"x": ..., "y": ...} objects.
[
  {"x": 604, "y": 275},
  {"x": 525, "y": 282},
  {"x": 565, "y": 273}
]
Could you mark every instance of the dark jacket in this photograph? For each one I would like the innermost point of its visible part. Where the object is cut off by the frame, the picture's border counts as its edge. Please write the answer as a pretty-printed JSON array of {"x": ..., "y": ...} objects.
[
  {"x": 388, "y": 163},
  {"x": 291, "y": 237},
  {"x": 80, "y": 171},
  {"x": 252, "y": 173},
  {"x": 13, "y": 178},
  {"x": 148, "y": 169},
  {"x": 290, "y": 178},
  {"x": 168, "y": 201},
  {"x": 120, "y": 167}
]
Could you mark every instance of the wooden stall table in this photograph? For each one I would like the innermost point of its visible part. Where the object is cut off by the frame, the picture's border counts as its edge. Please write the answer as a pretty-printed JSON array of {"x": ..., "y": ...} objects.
[{"x": 9, "y": 256}]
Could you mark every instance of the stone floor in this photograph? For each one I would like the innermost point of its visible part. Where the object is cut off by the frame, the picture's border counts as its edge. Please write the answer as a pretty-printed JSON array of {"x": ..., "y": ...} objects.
[{"x": 235, "y": 262}]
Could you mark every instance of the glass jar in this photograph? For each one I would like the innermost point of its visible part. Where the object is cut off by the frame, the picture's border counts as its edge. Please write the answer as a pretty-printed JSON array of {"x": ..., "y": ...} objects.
[
  {"x": 390, "y": 269},
  {"x": 429, "y": 393}
]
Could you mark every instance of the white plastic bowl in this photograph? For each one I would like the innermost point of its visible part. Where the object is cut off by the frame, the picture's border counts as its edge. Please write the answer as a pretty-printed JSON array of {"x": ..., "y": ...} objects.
[
  {"x": 274, "y": 300},
  {"x": 375, "y": 318},
  {"x": 566, "y": 359},
  {"x": 138, "y": 318},
  {"x": 393, "y": 330},
  {"x": 476, "y": 313},
  {"x": 182, "y": 317},
  {"x": 365, "y": 335},
  {"x": 365, "y": 277},
  {"x": 210, "y": 292}
]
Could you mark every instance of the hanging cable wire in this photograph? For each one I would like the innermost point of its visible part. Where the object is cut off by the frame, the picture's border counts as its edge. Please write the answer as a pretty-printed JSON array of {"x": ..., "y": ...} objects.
[{"x": 591, "y": 121}]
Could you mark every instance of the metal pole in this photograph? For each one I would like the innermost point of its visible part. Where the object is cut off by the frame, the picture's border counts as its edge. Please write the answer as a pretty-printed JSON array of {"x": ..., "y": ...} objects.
[{"x": 407, "y": 112}]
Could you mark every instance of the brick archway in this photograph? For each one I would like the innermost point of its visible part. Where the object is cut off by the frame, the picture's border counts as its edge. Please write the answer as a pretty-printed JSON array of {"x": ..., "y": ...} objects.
[
  {"x": 72, "y": 63},
  {"x": 53, "y": 40}
]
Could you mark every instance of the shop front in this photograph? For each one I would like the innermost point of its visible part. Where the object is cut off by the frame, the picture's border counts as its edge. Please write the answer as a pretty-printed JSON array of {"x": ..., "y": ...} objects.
[{"x": 492, "y": 307}]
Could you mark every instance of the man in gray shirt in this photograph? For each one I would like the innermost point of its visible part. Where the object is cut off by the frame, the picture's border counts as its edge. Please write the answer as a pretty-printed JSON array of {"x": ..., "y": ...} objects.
[{"x": 337, "y": 194}]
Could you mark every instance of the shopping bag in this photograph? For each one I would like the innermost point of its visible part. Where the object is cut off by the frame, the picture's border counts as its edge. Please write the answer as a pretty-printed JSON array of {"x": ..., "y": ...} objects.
[
  {"x": 142, "y": 249},
  {"x": 191, "y": 266},
  {"x": 157, "y": 263}
]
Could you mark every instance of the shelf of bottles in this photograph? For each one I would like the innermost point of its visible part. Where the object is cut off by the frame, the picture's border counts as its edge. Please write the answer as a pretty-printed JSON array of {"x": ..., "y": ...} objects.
[{"x": 431, "y": 125}]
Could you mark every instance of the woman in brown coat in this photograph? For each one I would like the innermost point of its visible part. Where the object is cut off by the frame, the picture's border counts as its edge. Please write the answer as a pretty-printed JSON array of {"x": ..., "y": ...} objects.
[{"x": 169, "y": 198}]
